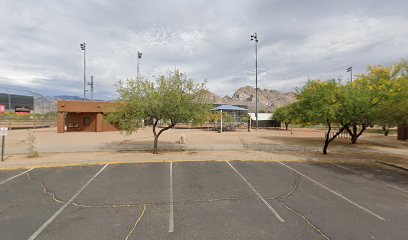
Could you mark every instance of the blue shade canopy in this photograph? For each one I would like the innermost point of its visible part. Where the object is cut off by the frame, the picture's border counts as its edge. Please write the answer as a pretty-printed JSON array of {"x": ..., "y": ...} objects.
[{"x": 228, "y": 108}]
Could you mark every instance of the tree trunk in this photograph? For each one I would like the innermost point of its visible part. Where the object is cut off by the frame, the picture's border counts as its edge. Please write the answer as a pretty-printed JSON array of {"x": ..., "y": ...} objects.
[
  {"x": 329, "y": 139},
  {"x": 286, "y": 126},
  {"x": 156, "y": 139},
  {"x": 354, "y": 132},
  {"x": 354, "y": 135},
  {"x": 157, "y": 135},
  {"x": 353, "y": 139},
  {"x": 386, "y": 130},
  {"x": 326, "y": 145}
]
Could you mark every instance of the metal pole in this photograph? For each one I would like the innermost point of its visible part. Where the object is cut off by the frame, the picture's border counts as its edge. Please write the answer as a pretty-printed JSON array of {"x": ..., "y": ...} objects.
[
  {"x": 84, "y": 72},
  {"x": 2, "y": 148},
  {"x": 138, "y": 59},
  {"x": 92, "y": 87},
  {"x": 221, "y": 123},
  {"x": 250, "y": 123},
  {"x": 254, "y": 37},
  {"x": 350, "y": 69},
  {"x": 139, "y": 56},
  {"x": 9, "y": 101},
  {"x": 256, "y": 82}
]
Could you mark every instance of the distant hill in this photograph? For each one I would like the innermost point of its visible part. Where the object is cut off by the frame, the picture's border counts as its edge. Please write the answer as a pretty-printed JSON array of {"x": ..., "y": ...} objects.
[
  {"x": 269, "y": 100},
  {"x": 67, "y": 97},
  {"x": 44, "y": 104},
  {"x": 74, "y": 98}
]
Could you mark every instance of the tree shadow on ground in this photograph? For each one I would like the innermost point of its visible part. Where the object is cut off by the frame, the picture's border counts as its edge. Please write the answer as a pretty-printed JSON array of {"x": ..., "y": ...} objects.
[
  {"x": 131, "y": 145},
  {"x": 339, "y": 148},
  {"x": 373, "y": 170}
]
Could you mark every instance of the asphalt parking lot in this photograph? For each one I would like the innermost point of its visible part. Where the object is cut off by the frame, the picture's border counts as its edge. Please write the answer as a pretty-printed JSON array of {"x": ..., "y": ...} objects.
[{"x": 205, "y": 200}]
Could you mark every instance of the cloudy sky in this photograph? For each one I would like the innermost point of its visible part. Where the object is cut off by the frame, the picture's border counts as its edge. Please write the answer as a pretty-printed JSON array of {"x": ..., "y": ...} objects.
[{"x": 209, "y": 40}]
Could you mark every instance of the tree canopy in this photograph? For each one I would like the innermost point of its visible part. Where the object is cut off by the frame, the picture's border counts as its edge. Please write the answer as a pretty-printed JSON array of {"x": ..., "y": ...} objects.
[
  {"x": 285, "y": 115},
  {"x": 170, "y": 99},
  {"x": 378, "y": 97}
]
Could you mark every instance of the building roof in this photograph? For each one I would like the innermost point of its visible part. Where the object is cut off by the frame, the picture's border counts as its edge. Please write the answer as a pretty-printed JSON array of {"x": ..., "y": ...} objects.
[
  {"x": 261, "y": 116},
  {"x": 228, "y": 108}
]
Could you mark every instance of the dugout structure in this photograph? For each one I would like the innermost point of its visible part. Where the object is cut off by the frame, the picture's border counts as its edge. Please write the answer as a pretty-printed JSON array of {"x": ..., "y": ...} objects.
[{"x": 84, "y": 116}]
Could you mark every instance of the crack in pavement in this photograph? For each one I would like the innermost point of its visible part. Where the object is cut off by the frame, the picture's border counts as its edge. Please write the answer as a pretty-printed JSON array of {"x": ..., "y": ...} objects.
[
  {"x": 307, "y": 221},
  {"x": 45, "y": 190},
  {"x": 134, "y": 205},
  {"x": 278, "y": 198},
  {"x": 137, "y": 221}
]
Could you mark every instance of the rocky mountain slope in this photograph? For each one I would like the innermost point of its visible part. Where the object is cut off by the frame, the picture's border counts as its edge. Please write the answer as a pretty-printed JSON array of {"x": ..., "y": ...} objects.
[{"x": 269, "y": 100}]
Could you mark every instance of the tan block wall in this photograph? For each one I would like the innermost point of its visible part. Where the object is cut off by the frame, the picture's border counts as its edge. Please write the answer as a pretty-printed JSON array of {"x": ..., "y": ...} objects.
[{"x": 109, "y": 127}]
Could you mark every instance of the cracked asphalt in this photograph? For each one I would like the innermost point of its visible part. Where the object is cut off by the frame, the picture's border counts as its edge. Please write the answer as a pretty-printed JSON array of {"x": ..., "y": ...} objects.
[{"x": 205, "y": 200}]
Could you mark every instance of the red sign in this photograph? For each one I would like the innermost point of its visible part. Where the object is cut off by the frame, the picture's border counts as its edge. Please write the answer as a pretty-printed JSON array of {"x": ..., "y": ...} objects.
[{"x": 2, "y": 108}]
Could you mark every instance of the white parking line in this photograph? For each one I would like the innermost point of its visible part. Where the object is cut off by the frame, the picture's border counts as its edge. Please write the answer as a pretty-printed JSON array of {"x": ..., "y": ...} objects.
[
  {"x": 39, "y": 230},
  {"x": 171, "y": 221},
  {"x": 335, "y": 193},
  {"x": 16, "y": 176},
  {"x": 371, "y": 178},
  {"x": 257, "y": 193}
]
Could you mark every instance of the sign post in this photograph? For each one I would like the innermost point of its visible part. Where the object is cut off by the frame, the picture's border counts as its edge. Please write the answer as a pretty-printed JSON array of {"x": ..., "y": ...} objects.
[
  {"x": 3, "y": 134},
  {"x": 2, "y": 108}
]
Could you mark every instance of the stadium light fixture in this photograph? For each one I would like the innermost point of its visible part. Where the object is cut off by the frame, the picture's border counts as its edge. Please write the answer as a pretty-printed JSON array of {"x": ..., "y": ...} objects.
[
  {"x": 139, "y": 56},
  {"x": 83, "y": 48},
  {"x": 350, "y": 69}
]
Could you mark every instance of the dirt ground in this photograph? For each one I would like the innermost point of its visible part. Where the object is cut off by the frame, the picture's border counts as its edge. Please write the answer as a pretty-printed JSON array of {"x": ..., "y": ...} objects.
[{"x": 264, "y": 144}]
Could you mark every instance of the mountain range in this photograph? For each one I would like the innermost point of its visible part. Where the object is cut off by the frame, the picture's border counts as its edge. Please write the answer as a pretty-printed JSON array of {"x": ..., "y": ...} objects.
[{"x": 269, "y": 100}]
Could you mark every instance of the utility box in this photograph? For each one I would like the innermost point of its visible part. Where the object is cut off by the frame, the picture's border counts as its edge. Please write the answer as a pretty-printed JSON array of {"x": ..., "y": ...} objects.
[
  {"x": 182, "y": 139},
  {"x": 402, "y": 132}
]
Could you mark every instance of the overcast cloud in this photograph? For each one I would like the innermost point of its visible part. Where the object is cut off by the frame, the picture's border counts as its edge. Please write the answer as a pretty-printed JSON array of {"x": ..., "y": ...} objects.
[{"x": 209, "y": 40}]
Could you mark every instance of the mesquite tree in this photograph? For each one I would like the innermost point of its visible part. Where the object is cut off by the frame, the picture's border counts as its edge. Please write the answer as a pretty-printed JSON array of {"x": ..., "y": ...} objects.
[
  {"x": 352, "y": 107},
  {"x": 318, "y": 104},
  {"x": 170, "y": 99},
  {"x": 285, "y": 115},
  {"x": 361, "y": 99},
  {"x": 393, "y": 111}
]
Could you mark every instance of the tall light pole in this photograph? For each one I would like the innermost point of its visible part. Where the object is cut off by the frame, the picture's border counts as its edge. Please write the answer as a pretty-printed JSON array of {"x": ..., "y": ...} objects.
[
  {"x": 254, "y": 37},
  {"x": 350, "y": 69},
  {"x": 139, "y": 56},
  {"x": 83, "y": 48},
  {"x": 91, "y": 83}
]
